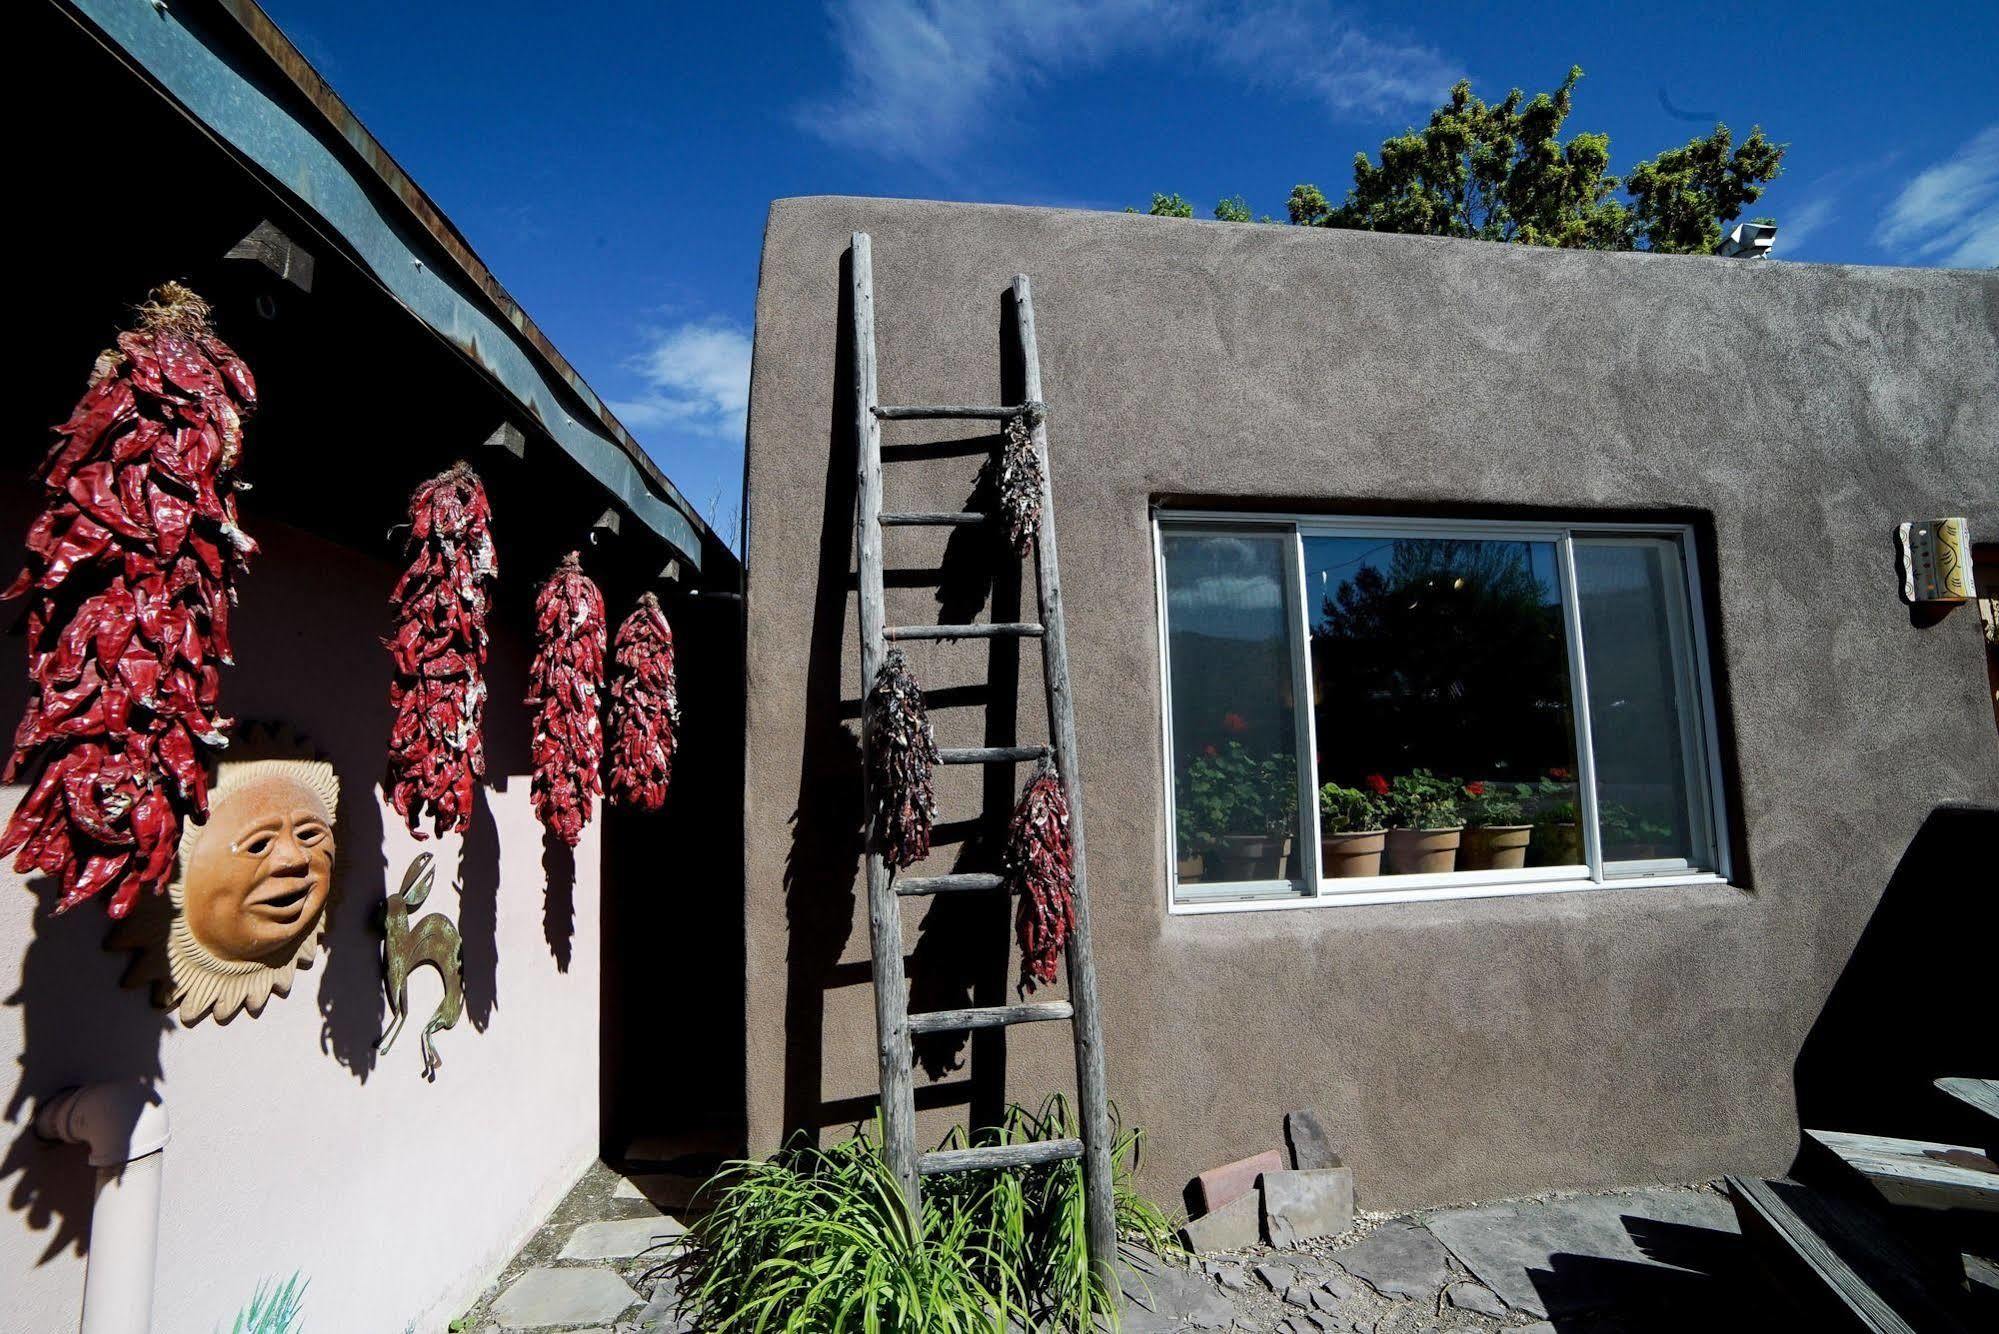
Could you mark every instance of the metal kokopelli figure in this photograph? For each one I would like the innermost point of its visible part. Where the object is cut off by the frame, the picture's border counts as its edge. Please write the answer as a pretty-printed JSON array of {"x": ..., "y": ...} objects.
[{"x": 434, "y": 941}]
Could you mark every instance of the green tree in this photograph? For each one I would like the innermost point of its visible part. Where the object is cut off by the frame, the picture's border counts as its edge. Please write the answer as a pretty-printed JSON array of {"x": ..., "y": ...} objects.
[
  {"x": 1501, "y": 172},
  {"x": 1170, "y": 206},
  {"x": 1233, "y": 209}
]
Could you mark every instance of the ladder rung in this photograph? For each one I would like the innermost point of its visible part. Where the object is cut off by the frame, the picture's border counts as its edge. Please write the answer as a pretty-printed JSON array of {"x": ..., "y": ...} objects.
[
  {"x": 991, "y": 630},
  {"x": 944, "y": 411},
  {"x": 958, "y": 882},
  {"x": 989, "y": 1156},
  {"x": 934, "y": 520},
  {"x": 989, "y": 1016},
  {"x": 991, "y": 754}
]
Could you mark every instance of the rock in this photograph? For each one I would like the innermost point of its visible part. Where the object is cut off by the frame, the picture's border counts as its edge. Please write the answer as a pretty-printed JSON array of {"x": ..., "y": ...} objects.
[
  {"x": 1275, "y": 1277},
  {"x": 1316, "y": 1202},
  {"x": 622, "y": 1238},
  {"x": 1398, "y": 1260},
  {"x": 543, "y": 1297},
  {"x": 1234, "y": 1226},
  {"x": 1476, "y": 1298},
  {"x": 662, "y": 1314},
  {"x": 1538, "y": 1327},
  {"x": 1231, "y": 1181},
  {"x": 1326, "y": 1301},
  {"x": 1158, "y": 1291},
  {"x": 1311, "y": 1146},
  {"x": 1233, "y": 1277},
  {"x": 1337, "y": 1285},
  {"x": 1298, "y": 1296}
]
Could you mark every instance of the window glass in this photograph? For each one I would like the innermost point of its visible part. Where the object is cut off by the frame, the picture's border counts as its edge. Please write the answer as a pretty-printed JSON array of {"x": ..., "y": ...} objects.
[
  {"x": 1441, "y": 691},
  {"x": 1234, "y": 722},
  {"x": 1645, "y": 729}
]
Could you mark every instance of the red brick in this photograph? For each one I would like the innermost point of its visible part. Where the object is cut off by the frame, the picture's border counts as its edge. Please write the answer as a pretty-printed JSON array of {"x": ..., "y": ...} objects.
[{"x": 1231, "y": 1181}]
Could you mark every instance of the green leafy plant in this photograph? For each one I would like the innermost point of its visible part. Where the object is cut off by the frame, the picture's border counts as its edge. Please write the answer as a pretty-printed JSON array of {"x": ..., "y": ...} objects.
[
  {"x": 1421, "y": 800},
  {"x": 819, "y": 1239},
  {"x": 273, "y": 1310},
  {"x": 1348, "y": 810},
  {"x": 1622, "y": 825},
  {"x": 1229, "y": 791},
  {"x": 1491, "y": 804},
  {"x": 1551, "y": 799}
]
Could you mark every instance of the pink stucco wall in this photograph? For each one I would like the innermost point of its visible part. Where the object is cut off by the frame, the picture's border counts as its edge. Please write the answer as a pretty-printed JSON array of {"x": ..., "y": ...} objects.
[{"x": 294, "y": 1147}]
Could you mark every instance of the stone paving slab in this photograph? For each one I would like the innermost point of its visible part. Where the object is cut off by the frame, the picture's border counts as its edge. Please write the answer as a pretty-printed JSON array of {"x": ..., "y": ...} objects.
[
  {"x": 621, "y": 1238},
  {"x": 543, "y": 1298},
  {"x": 1397, "y": 1260},
  {"x": 1578, "y": 1253}
]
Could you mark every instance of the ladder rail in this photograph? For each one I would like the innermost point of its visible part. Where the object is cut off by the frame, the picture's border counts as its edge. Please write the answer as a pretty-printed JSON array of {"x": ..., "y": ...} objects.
[
  {"x": 1100, "y": 1209},
  {"x": 898, "y": 1090}
]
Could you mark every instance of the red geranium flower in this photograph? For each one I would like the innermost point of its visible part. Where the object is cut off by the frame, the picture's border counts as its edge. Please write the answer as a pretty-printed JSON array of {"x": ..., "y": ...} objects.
[
  {"x": 1560, "y": 775},
  {"x": 1209, "y": 749},
  {"x": 1474, "y": 789},
  {"x": 1377, "y": 785},
  {"x": 1234, "y": 723}
]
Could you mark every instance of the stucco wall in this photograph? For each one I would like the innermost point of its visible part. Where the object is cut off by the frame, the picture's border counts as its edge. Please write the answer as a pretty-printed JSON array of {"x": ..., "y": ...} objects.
[
  {"x": 295, "y": 1148},
  {"x": 1460, "y": 1049}
]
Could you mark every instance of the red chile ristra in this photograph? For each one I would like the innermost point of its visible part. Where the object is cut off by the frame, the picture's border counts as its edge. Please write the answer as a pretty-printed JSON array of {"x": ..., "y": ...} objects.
[
  {"x": 131, "y": 571},
  {"x": 565, "y": 690},
  {"x": 437, "y": 748},
  {"x": 902, "y": 755},
  {"x": 645, "y": 708},
  {"x": 1040, "y": 867}
]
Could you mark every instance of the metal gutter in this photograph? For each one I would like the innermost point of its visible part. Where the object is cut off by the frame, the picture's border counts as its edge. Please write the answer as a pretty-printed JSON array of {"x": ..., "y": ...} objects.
[{"x": 416, "y": 254}]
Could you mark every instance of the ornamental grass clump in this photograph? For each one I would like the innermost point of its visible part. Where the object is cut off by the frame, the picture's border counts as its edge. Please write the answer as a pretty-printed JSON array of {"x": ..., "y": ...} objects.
[
  {"x": 819, "y": 1239},
  {"x": 902, "y": 755}
]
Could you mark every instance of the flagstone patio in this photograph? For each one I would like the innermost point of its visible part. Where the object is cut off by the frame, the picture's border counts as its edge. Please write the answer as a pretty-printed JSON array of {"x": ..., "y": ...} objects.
[{"x": 1626, "y": 1262}]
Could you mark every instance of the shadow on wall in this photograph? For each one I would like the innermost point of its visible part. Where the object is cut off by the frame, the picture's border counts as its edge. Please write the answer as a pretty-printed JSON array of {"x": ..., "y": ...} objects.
[
  {"x": 961, "y": 952},
  {"x": 1914, "y": 1002}
]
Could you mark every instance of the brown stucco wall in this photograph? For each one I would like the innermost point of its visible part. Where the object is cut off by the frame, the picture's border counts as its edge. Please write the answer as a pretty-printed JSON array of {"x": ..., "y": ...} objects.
[{"x": 1794, "y": 413}]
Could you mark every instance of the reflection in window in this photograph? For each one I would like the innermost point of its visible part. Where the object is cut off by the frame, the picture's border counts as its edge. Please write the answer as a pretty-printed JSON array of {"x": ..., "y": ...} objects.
[
  {"x": 1441, "y": 688},
  {"x": 1234, "y": 722}
]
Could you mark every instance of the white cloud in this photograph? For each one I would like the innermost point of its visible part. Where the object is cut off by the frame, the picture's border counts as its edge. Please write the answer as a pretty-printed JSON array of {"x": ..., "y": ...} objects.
[
  {"x": 1949, "y": 214},
  {"x": 697, "y": 380},
  {"x": 920, "y": 75},
  {"x": 1795, "y": 226}
]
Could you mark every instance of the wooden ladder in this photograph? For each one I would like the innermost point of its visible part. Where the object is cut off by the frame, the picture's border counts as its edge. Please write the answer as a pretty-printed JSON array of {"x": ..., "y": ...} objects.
[{"x": 893, "y": 1022}]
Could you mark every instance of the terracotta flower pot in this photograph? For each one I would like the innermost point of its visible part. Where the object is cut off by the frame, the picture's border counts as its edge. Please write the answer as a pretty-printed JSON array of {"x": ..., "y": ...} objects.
[
  {"x": 1422, "y": 851},
  {"x": 1252, "y": 857},
  {"x": 1495, "y": 847},
  {"x": 1558, "y": 844},
  {"x": 1349, "y": 854},
  {"x": 1192, "y": 868}
]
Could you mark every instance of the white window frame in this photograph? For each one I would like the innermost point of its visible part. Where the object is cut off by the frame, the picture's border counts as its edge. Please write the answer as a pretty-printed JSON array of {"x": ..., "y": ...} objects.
[{"x": 1700, "y": 749}]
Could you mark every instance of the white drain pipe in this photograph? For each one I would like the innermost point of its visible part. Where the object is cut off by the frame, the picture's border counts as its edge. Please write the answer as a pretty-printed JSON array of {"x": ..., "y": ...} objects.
[{"x": 125, "y": 1128}]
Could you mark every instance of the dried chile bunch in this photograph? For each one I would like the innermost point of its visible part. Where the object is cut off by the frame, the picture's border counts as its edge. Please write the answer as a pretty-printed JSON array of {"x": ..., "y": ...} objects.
[
  {"x": 1040, "y": 867},
  {"x": 565, "y": 690},
  {"x": 645, "y": 708},
  {"x": 437, "y": 689},
  {"x": 1016, "y": 477},
  {"x": 131, "y": 571},
  {"x": 902, "y": 754}
]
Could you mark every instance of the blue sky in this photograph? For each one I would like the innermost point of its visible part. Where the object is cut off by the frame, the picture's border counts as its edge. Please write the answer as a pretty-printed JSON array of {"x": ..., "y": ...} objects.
[{"x": 613, "y": 160}]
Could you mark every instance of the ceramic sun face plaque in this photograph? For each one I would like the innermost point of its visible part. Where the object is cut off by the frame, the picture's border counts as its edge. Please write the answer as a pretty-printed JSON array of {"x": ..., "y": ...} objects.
[{"x": 248, "y": 907}]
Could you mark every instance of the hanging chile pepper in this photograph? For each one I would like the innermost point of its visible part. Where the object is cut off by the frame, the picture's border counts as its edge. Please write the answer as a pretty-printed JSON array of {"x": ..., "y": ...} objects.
[
  {"x": 645, "y": 708},
  {"x": 437, "y": 687},
  {"x": 1040, "y": 868},
  {"x": 902, "y": 753},
  {"x": 131, "y": 571},
  {"x": 565, "y": 689},
  {"x": 1017, "y": 480}
]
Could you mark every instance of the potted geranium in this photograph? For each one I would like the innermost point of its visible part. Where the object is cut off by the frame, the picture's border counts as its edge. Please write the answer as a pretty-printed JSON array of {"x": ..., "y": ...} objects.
[
  {"x": 1424, "y": 826},
  {"x": 1631, "y": 837},
  {"x": 1251, "y": 807},
  {"x": 1557, "y": 839},
  {"x": 1496, "y": 829},
  {"x": 1352, "y": 828}
]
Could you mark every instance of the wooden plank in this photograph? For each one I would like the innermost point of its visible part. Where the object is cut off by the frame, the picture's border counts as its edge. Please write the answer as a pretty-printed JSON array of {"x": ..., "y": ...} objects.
[
  {"x": 990, "y": 1157},
  {"x": 991, "y": 754},
  {"x": 950, "y": 412},
  {"x": 989, "y": 1016},
  {"x": 1093, "y": 1102},
  {"x": 1852, "y": 1264},
  {"x": 268, "y": 246},
  {"x": 960, "y": 882},
  {"x": 1918, "y": 1173},
  {"x": 987, "y": 630},
  {"x": 964, "y": 518},
  {"x": 1980, "y": 1093},
  {"x": 898, "y": 1093}
]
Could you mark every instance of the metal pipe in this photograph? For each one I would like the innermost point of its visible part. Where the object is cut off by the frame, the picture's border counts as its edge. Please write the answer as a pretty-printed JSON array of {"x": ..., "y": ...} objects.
[{"x": 124, "y": 1125}]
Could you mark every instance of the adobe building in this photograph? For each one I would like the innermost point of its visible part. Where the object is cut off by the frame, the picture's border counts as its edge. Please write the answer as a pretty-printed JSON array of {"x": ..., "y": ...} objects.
[{"x": 1349, "y": 508}]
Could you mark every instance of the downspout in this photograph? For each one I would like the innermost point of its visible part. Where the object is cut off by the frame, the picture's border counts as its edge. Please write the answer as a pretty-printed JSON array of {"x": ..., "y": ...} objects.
[{"x": 125, "y": 1128}]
